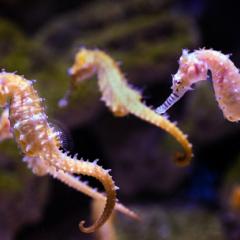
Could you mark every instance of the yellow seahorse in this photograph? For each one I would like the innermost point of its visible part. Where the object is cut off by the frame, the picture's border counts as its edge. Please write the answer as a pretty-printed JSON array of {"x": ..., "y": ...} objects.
[
  {"x": 119, "y": 96},
  {"x": 193, "y": 67},
  {"x": 40, "y": 144}
]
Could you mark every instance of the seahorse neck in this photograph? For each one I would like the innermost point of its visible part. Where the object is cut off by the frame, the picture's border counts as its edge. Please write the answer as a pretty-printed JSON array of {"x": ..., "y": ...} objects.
[
  {"x": 226, "y": 79},
  {"x": 107, "y": 68},
  {"x": 219, "y": 64}
]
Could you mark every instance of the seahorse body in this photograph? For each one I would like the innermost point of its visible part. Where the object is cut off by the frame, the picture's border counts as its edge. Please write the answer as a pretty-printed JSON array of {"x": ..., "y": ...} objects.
[
  {"x": 193, "y": 67},
  {"x": 40, "y": 143},
  {"x": 5, "y": 131},
  {"x": 119, "y": 96}
]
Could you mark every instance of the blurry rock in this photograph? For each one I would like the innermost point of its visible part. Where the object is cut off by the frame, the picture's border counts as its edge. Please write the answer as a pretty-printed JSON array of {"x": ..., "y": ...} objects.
[
  {"x": 14, "y": 48},
  {"x": 22, "y": 195},
  {"x": 230, "y": 201},
  {"x": 202, "y": 118},
  {"x": 231, "y": 224},
  {"x": 141, "y": 156},
  {"x": 171, "y": 223}
]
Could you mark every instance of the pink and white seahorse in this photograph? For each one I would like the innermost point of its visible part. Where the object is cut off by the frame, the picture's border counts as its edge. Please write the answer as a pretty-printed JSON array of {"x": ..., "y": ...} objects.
[{"x": 193, "y": 67}]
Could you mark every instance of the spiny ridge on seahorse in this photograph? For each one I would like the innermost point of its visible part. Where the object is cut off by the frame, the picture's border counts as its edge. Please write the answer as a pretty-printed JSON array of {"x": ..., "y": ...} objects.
[
  {"x": 40, "y": 142},
  {"x": 119, "y": 96}
]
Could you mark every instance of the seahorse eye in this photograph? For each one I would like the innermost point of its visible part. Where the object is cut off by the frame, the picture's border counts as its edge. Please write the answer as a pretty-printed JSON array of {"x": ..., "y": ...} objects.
[{"x": 179, "y": 83}]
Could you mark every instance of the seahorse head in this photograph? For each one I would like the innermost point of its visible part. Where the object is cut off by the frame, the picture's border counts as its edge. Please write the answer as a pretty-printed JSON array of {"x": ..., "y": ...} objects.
[
  {"x": 83, "y": 67},
  {"x": 191, "y": 70}
]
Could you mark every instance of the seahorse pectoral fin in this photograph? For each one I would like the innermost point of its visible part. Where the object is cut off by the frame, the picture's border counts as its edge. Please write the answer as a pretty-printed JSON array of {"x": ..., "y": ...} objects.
[{"x": 63, "y": 102}]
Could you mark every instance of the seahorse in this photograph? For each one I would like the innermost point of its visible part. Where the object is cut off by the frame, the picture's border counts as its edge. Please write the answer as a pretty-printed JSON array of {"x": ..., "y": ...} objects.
[
  {"x": 119, "y": 96},
  {"x": 68, "y": 179},
  {"x": 194, "y": 67},
  {"x": 40, "y": 144}
]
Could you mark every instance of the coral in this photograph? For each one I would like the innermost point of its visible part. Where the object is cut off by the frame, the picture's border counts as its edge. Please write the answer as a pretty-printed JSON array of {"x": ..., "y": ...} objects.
[
  {"x": 119, "y": 96},
  {"x": 40, "y": 143}
]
